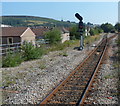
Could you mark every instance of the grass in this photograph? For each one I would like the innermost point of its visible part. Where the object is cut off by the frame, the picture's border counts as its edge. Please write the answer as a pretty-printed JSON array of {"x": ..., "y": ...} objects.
[
  {"x": 62, "y": 46},
  {"x": 91, "y": 39},
  {"x": 108, "y": 76},
  {"x": 64, "y": 53}
]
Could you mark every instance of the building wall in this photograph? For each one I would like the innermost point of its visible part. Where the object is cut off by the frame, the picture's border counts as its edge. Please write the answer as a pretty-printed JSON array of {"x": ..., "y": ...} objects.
[
  {"x": 16, "y": 39},
  {"x": 65, "y": 37},
  {"x": 28, "y": 36}
]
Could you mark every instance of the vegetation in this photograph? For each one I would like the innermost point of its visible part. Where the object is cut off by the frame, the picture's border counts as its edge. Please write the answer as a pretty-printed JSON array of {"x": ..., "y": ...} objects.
[
  {"x": 89, "y": 39},
  {"x": 62, "y": 46},
  {"x": 117, "y": 27},
  {"x": 12, "y": 60},
  {"x": 54, "y": 36},
  {"x": 42, "y": 64},
  {"x": 32, "y": 21},
  {"x": 74, "y": 34},
  {"x": 30, "y": 52},
  {"x": 64, "y": 53},
  {"x": 107, "y": 27},
  {"x": 95, "y": 31}
]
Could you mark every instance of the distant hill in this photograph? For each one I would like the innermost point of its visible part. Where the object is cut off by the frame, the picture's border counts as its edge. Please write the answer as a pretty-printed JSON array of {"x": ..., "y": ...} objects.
[{"x": 33, "y": 21}]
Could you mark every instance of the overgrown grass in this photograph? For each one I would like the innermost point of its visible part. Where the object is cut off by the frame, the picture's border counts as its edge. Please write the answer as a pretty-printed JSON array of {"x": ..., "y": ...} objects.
[
  {"x": 62, "y": 46},
  {"x": 91, "y": 39}
]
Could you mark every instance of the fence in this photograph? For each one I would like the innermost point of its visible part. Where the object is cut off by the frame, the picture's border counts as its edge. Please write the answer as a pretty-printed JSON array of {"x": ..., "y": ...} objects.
[{"x": 15, "y": 47}]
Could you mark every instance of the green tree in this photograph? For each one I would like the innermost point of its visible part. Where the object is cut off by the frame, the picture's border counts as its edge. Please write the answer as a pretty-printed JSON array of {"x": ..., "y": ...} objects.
[
  {"x": 53, "y": 35},
  {"x": 91, "y": 32},
  {"x": 117, "y": 26},
  {"x": 95, "y": 31},
  {"x": 74, "y": 34},
  {"x": 107, "y": 27}
]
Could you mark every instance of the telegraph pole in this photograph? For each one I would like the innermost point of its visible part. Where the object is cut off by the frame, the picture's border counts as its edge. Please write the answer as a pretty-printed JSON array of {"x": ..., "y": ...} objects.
[{"x": 80, "y": 26}]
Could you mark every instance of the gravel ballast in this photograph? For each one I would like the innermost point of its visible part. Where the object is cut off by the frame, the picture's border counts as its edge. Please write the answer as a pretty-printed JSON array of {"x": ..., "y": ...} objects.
[
  {"x": 107, "y": 80},
  {"x": 30, "y": 82}
]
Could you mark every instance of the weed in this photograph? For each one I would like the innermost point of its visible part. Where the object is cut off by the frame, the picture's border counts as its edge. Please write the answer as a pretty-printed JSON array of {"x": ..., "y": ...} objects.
[
  {"x": 12, "y": 60},
  {"x": 31, "y": 52},
  {"x": 42, "y": 64},
  {"x": 108, "y": 76}
]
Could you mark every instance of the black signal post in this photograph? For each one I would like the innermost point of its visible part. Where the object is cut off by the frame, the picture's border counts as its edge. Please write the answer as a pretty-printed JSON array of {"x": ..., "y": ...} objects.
[{"x": 80, "y": 18}]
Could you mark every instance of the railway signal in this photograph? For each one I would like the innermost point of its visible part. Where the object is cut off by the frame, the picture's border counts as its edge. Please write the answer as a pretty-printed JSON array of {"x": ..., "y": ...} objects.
[{"x": 80, "y": 18}]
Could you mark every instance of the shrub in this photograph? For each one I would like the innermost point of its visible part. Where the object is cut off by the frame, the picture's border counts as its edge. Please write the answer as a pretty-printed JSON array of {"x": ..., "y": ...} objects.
[
  {"x": 30, "y": 52},
  {"x": 12, "y": 60},
  {"x": 54, "y": 36}
]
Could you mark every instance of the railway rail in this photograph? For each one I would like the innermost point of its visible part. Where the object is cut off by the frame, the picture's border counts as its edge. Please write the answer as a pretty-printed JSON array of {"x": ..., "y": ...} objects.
[{"x": 74, "y": 89}]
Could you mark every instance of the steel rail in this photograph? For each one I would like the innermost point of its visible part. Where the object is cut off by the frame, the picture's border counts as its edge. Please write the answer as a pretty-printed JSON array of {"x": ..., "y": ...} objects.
[
  {"x": 56, "y": 89},
  {"x": 84, "y": 94},
  {"x": 46, "y": 99}
]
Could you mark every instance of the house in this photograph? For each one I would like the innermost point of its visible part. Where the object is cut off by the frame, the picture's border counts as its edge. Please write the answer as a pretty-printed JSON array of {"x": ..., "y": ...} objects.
[
  {"x": 65, "y": 34},
  {"x": 39, "y": 32},
  {"x": 87, "y": 31},
  {"x": 12, "y": 35}
]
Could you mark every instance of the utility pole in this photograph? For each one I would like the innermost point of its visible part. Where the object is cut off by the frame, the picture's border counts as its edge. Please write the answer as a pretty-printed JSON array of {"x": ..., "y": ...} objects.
[{"x": 80, "y": 26}]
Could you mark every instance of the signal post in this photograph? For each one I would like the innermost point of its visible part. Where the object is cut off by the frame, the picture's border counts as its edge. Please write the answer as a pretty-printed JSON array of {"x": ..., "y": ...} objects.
[{"x": 80, "y": 26}]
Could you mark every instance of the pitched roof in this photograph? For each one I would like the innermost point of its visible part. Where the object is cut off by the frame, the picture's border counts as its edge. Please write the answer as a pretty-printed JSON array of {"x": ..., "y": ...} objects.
[
  {"x": 39, "y": 31},
  {"x": 13, "y": 31},
  {"x": 64, "y": 30}
]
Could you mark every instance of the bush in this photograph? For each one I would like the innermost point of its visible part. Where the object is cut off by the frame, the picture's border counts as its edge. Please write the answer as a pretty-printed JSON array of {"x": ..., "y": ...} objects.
[
  {"x": 12, "y": 60},
  {"x": 30, "y": 52},
  {"x": 54, "y": 36}
]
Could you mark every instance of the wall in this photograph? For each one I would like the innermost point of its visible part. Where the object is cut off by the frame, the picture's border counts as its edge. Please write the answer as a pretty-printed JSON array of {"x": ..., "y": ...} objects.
[
  {"x": 16, "y": 39},
  {"x": 28, "y": 36},
  {"x": 65, "y": 36}
]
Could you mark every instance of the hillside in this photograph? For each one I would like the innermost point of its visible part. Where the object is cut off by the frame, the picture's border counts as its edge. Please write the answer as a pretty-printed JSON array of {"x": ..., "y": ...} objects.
[{"x": 33, "y": 21}]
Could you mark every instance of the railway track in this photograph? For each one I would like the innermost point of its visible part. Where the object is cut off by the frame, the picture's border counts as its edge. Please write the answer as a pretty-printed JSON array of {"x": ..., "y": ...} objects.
[{"x": 74, "y": 89}]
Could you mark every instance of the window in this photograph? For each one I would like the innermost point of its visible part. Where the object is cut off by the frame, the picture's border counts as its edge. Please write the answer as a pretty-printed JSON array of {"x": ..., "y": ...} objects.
[{"x": 10, "y": 40}]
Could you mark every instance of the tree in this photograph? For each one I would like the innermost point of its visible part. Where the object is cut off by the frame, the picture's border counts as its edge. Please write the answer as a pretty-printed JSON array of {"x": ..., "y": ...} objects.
[
  {"x": 117, "y": 27},
  {"x": 107, "y": 27},
  {"x": 74, "y": 34},
  {"x": 95, "y": 31},
  {"x": 53, "y": 35},
  {"x": 91, "y": 32}
]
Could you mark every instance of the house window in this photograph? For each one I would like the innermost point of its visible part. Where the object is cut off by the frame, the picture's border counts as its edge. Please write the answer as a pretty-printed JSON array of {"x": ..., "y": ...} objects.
[{"x": 10, "y": 40}]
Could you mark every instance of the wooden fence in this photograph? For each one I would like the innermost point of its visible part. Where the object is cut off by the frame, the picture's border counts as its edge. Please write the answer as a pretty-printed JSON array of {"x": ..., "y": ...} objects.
[{"x": 16, "y": 47}]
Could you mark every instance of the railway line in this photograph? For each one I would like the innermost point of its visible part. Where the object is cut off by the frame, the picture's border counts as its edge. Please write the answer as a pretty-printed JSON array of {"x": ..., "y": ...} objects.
[{"x": 74, "y": 89}]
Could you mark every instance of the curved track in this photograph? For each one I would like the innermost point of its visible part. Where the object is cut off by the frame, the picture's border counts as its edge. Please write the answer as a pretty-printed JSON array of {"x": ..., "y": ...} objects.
[{"x": 74, "y": 88}]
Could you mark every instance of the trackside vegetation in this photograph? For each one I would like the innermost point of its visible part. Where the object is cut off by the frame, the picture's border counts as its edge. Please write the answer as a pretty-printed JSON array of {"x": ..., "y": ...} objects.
[
  {"x": 30, "y": 52},
  {"x": 54, "y": 36}
]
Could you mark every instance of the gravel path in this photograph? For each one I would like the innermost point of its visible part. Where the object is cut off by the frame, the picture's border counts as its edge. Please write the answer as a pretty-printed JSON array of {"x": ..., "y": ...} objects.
[
  {"x": 32, "y": 81},
  {"x": 107, "y": 91}
]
